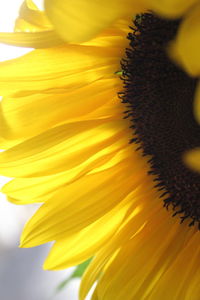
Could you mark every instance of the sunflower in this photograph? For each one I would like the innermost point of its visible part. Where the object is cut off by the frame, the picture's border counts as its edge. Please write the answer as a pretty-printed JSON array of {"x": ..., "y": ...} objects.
[{"x": 97, "y": 134}]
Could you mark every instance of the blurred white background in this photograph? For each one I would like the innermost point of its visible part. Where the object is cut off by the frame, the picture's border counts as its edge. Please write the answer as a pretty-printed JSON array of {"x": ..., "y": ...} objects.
[{"x": 21, "y": 274}]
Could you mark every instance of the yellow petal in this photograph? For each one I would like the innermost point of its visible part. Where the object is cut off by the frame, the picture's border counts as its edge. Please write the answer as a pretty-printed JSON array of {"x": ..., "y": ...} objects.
[
  {"x": 181, "y": 274},
  {"x": 32, "y": 29},
  {"x": 81, "y": 20},
  {"x": 68, "y": 66},
  {"x": 26, "y": 116},
  {"x": 127, "y": 265},
  {"x": 77, "y": 205},
  {"x": 5, "y": 143},
  {"x": 43, "y": 39},
  {"x": 130, "y": 226},
  {"x": 33, "y": 17},
  {"x": 30, "y": 4},
  {"x": 170, "y": 8},
  {"x": 23, "y": 26},
  {"x": 84, "y": 244},
  {"x": 192, "y": 158},
  {"x": 37, "y": 189},
  {"x": 186, "y": 47},
  {"x": 59, "y": 148}
]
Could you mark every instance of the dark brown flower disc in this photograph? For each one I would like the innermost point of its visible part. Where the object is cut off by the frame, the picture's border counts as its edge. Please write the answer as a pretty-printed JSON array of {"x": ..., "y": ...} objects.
[{"x": 159, "y": 96}]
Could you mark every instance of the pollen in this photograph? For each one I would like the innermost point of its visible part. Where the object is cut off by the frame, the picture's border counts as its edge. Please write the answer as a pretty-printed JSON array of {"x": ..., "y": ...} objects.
[{"x": 159, "y": 99}]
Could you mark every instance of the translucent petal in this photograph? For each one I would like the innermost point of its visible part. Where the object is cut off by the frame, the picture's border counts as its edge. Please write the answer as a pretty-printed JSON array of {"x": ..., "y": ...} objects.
[
  {"x": 81, "y": 20},
  {"x": 186, "y": 47},
  {"x": 77, "y": 205},
  {"x": 84, "y": 244},
  {"x": 34, "y": 18},
  {"x": 26, "y": 116},
  {"x": 64, "y": 66},
  {"x": 43, "y": 39},
  {"x": 39, "y": 189},
  {"x": 170, "y": 8},
  {"x": 59, "y": 149},
  {"x": 192, "y": 158}
]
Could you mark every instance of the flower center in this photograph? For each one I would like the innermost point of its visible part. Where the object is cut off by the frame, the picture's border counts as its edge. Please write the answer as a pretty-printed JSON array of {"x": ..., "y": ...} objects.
[{"x": 159, "y": 96}]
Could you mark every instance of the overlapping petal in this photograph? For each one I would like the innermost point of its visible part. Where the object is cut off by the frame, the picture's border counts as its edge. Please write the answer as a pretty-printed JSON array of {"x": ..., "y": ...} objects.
[
  {"x": 170, "y": 8},
  {"x": 36, "y": 40},
  {"x": 84, "y": 244},
  {"x": 35, "y": 19},
  {"x": 81, "y": 206},
  {"x": 58, "y": 149},
  {"x": 192, "y": 158},
  {"x": 39, "y": 189},
  {"x": 81, "y": 20},
  {"x": 122, "y": 259},
  {"x": 186, "y": 47},
  {"x": 32, "y": 29},
  {"x": 61, "y": 67},
  {"x": 19, "y": 115}
]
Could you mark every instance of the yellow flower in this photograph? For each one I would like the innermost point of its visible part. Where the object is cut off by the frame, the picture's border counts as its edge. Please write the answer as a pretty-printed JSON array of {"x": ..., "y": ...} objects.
[{"x": 67, "y": 143}]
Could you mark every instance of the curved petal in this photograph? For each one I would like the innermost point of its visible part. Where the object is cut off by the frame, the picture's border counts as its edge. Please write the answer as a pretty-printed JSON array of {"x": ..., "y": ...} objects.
[
  {"x": 170, "y": 8},
  {"x": 73, "y": 65},
  {"x": 186, "y": 47},
  {"x": 26, "y": 116},
  {"x": 57, "y": 149},
  {"x": 32, "y": 29},
  {"x": 144, "y": 266},
  {"x": 66, "y": 65},
  {"x": 40, "y": 189},
  {"x": 41, "y": 39},
  {"x": 78, "y": 205},
  {"x": 84, "y": 244},
  {"x": 34, "y": 18},
  {"x": 81, "y": 20},
  {"x": 192, "y": 158}
]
